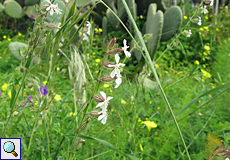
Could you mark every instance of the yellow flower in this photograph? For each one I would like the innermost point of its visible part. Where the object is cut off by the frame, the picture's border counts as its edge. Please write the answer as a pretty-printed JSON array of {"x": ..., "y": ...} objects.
[
  {"x": 141, "y": 17},
  {"x": 229, "y": 54},
  {"x": 205, "y": 53},
  {"x": 123, "y": 101},
  {"x": 96, "y": 30},
  {"x": 5, "y": 86},
  {"x": 206, "y": 47},
  {"x": 146, "y": 118},
  {"x": 206, "y": 17},
  {"x": 106, "y": 85},
  {"x": 185, "y": 17},
  {"x": 72, "y": 114},
  {"x": 4, "y": 36},
  {"x": 206, "y": 28},
  {"x": 149, "y": 125},
  {"x": 156, "y": 65},
  {"x": 206, "y": 74},
  {"x": 141, "y": 147},
  {"x": 226, "y": 7},
  {"x": 88, "y": 54},
  {"x": 98, "y": 60},
  {"x": 217, "y": 29},
  {"x": 100, "y": 30},
  {"x": 9, "y": 94},
  {"x": 58, "y": 68},
  {"x": 197, "y": 62},
  {"x": 19, "y": 34},
  {"x": 45, "y": 82},
  {"x": 57, "y": 97},
  {"x": 201, "y": 29},
  {"x": 94, "y": 53},
  {"x": 139, "y": 120},
  {"x": 8, "y": 39},
  {"x": 150, "y": 102}
]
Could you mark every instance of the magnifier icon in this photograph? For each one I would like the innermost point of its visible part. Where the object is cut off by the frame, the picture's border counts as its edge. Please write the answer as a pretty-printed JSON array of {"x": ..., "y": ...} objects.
[{"x": 9, "y": 147}]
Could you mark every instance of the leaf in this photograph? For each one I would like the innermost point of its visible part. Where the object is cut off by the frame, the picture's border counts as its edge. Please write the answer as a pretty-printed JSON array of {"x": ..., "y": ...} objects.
[
  {"x": 202, "y": 95},
  {"x": 107, "y": 144},
  {"x": 13, "y": 94}
]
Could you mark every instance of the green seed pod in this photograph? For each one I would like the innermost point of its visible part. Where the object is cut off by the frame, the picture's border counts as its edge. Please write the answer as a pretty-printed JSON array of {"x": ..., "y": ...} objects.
[
  {"x": 78, "y": 144},
  {"x": 108, "y": 63},
  {"x": 113, "y": 51},
  {"x": 30, "y": 85},
  {"x": 107, "y": 78},
  {"x": 111, "y": 43},
  {"x": 84, "y": 125}
]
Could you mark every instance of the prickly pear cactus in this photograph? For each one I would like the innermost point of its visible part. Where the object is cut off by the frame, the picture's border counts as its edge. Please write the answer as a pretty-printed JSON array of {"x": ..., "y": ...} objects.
[
  {"x": 31, "y": 2},
  {"x": 1, "y": 7},
  {"x": 121, "y": 10},
  {"x": 104, "y": 27},
  {"x": 133, "y": 9},
  {"x": 17, "y": 48},
  {"x": 151, "y": 13},
  {"x": 136, "y": 51},
  {"x": 172, "y": 22},
  {"x": 80, "y": 3},
  {"x": 113, "y": 21},
  {"x": 154, "y": 28},
  {"x": 144, "y": 4},
  {"x": 13, "y": 9},
  {"x": 31, "y": 12}
]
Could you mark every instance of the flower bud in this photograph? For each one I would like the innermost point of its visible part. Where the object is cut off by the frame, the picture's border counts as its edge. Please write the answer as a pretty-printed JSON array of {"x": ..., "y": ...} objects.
[
  {"x": 94, "y": 113},
  {"x": 111, "y": 43},
  {"x": 15, "y": 113},
  {"x": 98, "y": 98},
  {"x": 84, "y": 125},
  {"x": 113, "y": 51},
  {"x": 107, "y": 78},
  {"x": 30, "y": 85},
  {"x": 207, "y": 2},
  {"x": 23, "y": 103},
  {"x": 78, "y": 144},
  {"x": 44, "y": 7},
  {"x": 108, "y": 63}
]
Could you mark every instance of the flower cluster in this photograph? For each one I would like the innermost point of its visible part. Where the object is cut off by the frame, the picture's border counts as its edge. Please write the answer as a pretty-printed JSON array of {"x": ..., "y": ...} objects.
[
  {"x": 86, "y": 36},
  {"x": 53, "y": 8},
  {"x": 115, "y": 74}
]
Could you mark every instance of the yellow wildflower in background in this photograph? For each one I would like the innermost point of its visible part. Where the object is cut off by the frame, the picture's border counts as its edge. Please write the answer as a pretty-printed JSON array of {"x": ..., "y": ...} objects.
[
  {"x": 206, "y": 28},
  {"x": 123, "y": 101},
  {"x": 205, "y": 53},
  {"x": 4, "y": 36},
  {"x": 98, "y": 60},
  {"x": 106, "y": 85},
  {"x": 45, "y": 82},
  {"x": 36, "y": 103},
  {"x": 100, "y": 30},
  {"x": 217, "y": 29},
  {"x": 58, "y": 68},
  {"x": 149, "y": 125},
  {"x": 19, "y": 34},
  {"x": 206, "y": 47},
  {"x": 141, "y": 17},
  {"x": 156, "y": 65},
  {"x": 201, "y": 29},
  {"x": 206, "y": 17},
  {"x": 185, "y": 17},
  {"x": 206, "y": 74},
  {"x": 72, "y": 114},
  {"x": 5, "y": 86},
  {"x": 8, "y": 39},
  {"x": 197, "y": 62},
  {"x": 9, "y": 94},
  {"x": 57, "y": 97}
]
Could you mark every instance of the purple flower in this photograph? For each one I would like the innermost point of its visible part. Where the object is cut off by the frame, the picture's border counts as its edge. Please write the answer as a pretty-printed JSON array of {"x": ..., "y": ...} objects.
[
  {"x": 43, "y": 90},
  {"x": 30, "y": 99}
]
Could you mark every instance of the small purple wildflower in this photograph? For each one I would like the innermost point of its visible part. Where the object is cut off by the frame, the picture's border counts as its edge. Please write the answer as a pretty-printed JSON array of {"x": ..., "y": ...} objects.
[
  {"x": 30, "y": 98},
  {"x": 43, "y": 90}
]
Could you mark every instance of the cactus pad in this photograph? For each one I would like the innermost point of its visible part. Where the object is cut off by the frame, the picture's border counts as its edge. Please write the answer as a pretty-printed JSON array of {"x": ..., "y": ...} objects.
[
  {"x": 155, "y": 28},
  {"x": 13, "y": 9},
  {"x": 1, "y": 7},
  {"x": 172, "y": 22},
  {"x": 16, "y": 48},
  {"x": 31, "y": 2},
  {"x": 31, "y": 12},
  {"x": 104, "y": 27},
  {"x": 113, "y": 21}
]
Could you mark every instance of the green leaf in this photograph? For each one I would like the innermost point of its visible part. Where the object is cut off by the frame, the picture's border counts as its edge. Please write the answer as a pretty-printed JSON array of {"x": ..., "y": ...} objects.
[
  {"x": 16, "y": 47},
  {"x": 1, "y": 7},
  {"x": 202, "y": 95},
  {"x": 13, "y": 93},
  {"x": 107, "y": 144},
  {"x": 28, "y": 62}
]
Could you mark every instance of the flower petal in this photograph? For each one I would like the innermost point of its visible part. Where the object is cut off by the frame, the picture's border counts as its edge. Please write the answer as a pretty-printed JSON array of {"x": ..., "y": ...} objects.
[
  {"x": 117, "y": 58},
  {"x": 103, "y": 94}
]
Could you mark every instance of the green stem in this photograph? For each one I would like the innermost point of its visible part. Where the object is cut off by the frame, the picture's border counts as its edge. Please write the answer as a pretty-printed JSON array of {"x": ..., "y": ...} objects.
[
  {"x": 47, "y": 135},
  {"x": 155, "y": 74}
]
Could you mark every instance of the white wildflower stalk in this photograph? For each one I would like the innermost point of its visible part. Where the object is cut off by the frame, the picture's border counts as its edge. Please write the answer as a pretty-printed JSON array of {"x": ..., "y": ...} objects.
[
  {"x": 116, "y": 70},
  {"x": 127, "y": 53}
]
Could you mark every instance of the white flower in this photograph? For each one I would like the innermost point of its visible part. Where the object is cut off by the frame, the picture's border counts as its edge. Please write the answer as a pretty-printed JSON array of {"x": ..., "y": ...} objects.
[
  {"x": 66, "y": 1},
  {"x": 116, "y": 70},
  {"x": 127, "y": 53},
  {"x": 103, "y": 106},
  {"x": 88, "y": 26},
  {"x": 102, "y": 117},
  {"x": 211, "y": 4},
  {"x": 85, "y": 37},
  {"x": 118, "y": 82},
  {"x": 53, "y": 8},
  {"x": 200, "y": 21},
  {"x": 187, "y": 33},
  {"x": 204, "y": 10}
]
